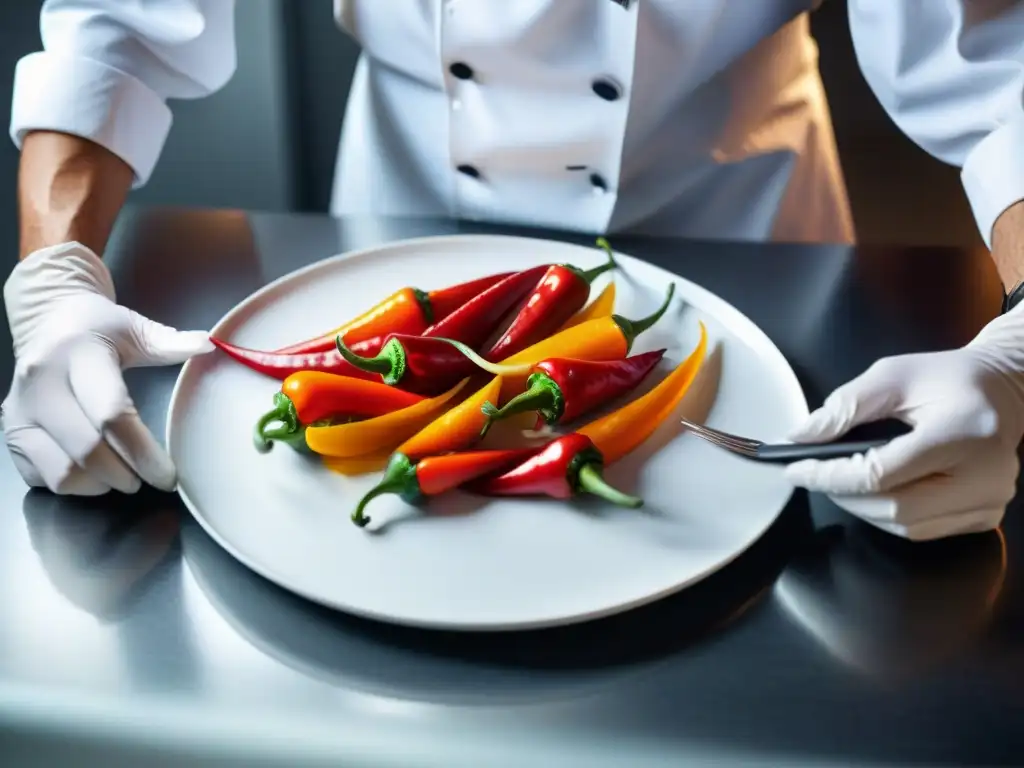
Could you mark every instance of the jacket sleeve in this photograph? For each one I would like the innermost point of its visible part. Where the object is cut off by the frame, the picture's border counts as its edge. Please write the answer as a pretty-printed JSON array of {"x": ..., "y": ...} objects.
[
  {"x": 950, "y": 73},
  {"x": 108, "y": 67}
]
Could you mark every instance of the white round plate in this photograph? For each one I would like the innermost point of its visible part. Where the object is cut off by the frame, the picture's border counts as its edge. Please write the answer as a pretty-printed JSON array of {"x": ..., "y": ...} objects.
[{"x": 502, "y": 564}]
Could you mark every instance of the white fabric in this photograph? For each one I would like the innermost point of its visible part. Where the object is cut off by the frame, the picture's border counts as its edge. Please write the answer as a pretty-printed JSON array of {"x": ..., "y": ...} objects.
[
  {"x": 950, "y": 73},
  {"x": 108, "y": 67},
  {"x": 957, "y": 469},
  {"x": 68, "y": 419},
  {"x": 722, "y": 129}
]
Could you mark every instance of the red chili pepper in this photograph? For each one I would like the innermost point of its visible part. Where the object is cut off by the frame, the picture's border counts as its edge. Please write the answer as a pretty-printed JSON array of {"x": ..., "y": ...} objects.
[
  {"x": 562, "y": 389},
  {"x": 479, "y": 318},
  {"x": 280, "y": 367},
  {"x": 417, "y": 364},
  {"x": 314, "y": 398},
  {"x": 434, "y": 475},
  {"x": 562, "y": 469},
  {"x": 444, "y": 301},
  {"x": 562, "y": 291},
  {"x": 407, "y": 310}
]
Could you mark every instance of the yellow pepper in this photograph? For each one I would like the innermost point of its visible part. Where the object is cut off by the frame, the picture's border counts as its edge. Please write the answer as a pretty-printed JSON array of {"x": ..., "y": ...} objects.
[
  {"x": 357, "y": 465},
  {"x": 600, "y": 307},
  {"x": 621, "y": 431},
  {"x": 364, "y": 438},
  {"x": 454, "y": 429}
]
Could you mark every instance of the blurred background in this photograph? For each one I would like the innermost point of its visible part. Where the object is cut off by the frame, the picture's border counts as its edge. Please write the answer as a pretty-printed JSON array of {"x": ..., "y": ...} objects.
[{"x": 267, "y": 141}]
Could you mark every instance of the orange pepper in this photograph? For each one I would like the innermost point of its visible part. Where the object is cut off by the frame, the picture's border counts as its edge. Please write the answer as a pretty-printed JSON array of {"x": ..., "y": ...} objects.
[
  {"x": 407, "y": 310},
  {"x": 600, "y": 307},
  {"x": 454, "y": 429},
  {"x": 363, "y": 438},
  {"x": 619, "y": 432}
]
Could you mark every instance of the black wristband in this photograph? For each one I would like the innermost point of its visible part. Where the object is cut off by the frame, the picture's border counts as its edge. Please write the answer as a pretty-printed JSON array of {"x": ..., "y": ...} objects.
[{"x": 1013, "y": 298}]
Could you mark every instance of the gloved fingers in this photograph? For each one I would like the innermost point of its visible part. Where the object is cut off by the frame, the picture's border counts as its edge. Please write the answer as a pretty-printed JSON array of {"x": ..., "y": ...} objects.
[
  {"x": 160, "y": 344},
  {"x": 871, "y": 396},
  {"x": 141, "y": 451},
  {"x": 912, "y": 456},
  {"x": 42, "y": 464},
  {"x": 988, "y": 481},
  {"x": 98, "y": 385},
  {"x": 978, "y": 521}
]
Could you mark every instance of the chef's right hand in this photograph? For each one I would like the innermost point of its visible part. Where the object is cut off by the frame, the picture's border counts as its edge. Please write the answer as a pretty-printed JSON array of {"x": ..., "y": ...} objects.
[{"x": 68, "y": 420}]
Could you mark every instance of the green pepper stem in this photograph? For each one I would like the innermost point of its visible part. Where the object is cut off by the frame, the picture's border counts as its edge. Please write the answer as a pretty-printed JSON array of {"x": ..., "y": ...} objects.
[
  {"x": 591, "y": 274},
  {"x": 590, "y": 480},
  {"x": 542, "y": 395},
  {"x": 633, "y": 328},
  {"x": 399, "y": 477},
  {"x": 426, "y": 307},
  {"x": 487, "y": 365},
  {"x": 383, "y": 363},
  {"x": 534, "y": 399},
  {"x": 284, "y": 412}
]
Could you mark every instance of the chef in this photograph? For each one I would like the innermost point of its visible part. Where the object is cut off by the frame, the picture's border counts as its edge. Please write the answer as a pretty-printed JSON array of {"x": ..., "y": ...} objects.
[{"x": 690, "y": 118}]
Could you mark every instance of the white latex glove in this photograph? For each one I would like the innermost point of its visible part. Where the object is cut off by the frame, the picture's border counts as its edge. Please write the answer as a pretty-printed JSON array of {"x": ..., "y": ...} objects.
[
  {"x": 68, "y": 420},
  {"x": 957, "y": 469}
]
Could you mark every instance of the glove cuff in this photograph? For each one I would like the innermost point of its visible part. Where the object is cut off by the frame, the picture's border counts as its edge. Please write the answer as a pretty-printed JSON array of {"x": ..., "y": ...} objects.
[
  {"x": 57, "y": 270},
  {"x": 1001, "y": 345}
]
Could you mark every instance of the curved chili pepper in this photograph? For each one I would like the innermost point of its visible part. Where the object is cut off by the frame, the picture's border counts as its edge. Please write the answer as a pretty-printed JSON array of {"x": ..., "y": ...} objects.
[
  {"x": 562, "y": 389},
  {"x": 315, "y": 398},
  {"x": 381, "y": 433},
  {"x": 562, "y": 469},
  {"x": 562, "y": 291},
  {"x": 282, "y": 366},
  {"x": 479, "y": 318},
  {"x": 444, "y": 301},
  {"x": 415, "y": 481},
  {"x": 621, "y": 431},
  {"x": 454, "y": 429},
  {"x": 407, "y": 310}
]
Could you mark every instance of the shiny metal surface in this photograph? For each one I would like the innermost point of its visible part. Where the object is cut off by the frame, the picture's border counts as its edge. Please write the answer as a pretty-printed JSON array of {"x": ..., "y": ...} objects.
[{"x": 127, "y": 636}]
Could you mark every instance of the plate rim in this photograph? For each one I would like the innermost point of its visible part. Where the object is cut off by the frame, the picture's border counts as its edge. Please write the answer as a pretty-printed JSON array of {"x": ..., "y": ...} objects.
[{"x": 576, "y": 618}]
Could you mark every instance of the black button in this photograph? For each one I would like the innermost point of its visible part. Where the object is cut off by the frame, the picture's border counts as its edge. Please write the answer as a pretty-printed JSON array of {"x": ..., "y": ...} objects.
[
  {"x": 461, "y": 71},
  {"x": 469, "y": 170},
  {"x": 599, "y": 182},
  {"x": 606, "y": 89},
  {"x": 575, "y": 167}
]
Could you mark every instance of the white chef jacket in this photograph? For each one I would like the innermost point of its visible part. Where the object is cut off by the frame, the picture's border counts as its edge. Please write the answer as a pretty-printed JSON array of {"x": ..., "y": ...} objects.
[{"x": 700, "y": 118}]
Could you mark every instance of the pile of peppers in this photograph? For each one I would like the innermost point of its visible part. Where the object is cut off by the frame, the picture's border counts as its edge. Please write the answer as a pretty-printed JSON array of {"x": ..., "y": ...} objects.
[{"x": 413, "y": 385}]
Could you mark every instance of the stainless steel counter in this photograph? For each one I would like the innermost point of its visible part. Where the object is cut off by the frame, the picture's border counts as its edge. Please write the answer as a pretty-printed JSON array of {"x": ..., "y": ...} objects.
[{"x": 127, "y": 637}]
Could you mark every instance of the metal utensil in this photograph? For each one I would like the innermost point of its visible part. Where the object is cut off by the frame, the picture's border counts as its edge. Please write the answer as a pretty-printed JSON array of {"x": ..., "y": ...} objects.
[{"x": 784, "y": 453}]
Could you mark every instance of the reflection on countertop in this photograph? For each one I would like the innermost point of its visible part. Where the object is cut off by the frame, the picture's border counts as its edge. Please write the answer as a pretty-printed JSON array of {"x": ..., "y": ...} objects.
[
  {"x": 99, "y": 551},
  {"x": 474, "y": 668},
  {"x": 889, "y": 608}
]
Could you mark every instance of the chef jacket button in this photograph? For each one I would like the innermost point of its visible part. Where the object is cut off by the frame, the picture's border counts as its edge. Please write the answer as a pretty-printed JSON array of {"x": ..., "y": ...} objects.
[
  {"x": 469, "y": 170},
  {"x": 461, "y": 70},
  {"x": 600, "y": 185},
  {"x": 606, "y": 89}
]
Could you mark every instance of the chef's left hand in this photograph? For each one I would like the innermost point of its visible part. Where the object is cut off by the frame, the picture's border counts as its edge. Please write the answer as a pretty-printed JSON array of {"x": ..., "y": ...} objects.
[{"x": 956, "y": 470}]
